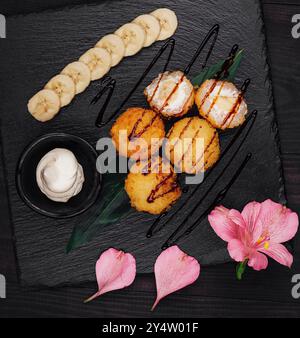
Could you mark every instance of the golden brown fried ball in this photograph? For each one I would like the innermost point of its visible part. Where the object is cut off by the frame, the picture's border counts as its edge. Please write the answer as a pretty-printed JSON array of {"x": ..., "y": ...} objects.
[
  {"x": 153, "y": 192},
  {"x": 171, "y": 94},
  {"x": 139, "y": 124},
  {"x": 221, "y": 103},
  {"x": 184, "y": 155}
]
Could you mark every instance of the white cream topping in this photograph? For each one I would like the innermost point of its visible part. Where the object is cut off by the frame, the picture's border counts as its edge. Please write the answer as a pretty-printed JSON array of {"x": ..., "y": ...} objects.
[
  {"x": 59, "y": 175},
  {"x": 167, "y": 82},
  {"x": 220, "y": 103}
]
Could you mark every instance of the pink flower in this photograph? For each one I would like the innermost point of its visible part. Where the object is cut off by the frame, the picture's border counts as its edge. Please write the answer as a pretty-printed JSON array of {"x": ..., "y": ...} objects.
[
  {"x": 114, "y": 270},
  {"x": 174, "y": 270},
  {"x": 257, "y": 231}
]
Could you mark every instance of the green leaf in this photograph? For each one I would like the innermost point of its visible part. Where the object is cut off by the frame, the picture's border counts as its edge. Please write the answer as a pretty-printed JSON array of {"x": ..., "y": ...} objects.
[
  {"x": 210, "y": 72},
  {"x": 113, "y": 206},
  {"x": 240, "y": 269}
]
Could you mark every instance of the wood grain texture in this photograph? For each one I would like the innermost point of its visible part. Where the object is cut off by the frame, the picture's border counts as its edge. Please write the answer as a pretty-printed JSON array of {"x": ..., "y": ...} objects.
[
  {"x": 216, "y": 294},
  {"x": 265, "y": 294},
  {"x": 285, "y": 64}
]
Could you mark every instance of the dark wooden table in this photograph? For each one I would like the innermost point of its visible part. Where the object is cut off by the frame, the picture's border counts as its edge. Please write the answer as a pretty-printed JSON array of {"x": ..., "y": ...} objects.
[{"x": 217, "y": 293}]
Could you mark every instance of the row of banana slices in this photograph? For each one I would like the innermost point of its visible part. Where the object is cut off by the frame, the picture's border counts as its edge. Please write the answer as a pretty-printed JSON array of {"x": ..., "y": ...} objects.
[{"x": 97, "y": 61}]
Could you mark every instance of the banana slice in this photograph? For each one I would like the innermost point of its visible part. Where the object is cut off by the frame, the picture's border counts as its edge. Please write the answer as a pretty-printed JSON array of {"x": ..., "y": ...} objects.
[
  {"x": 168, "y": 22},
  {"x": 114, "y": 45},
  {"x": 133, "y": 37},
  {"x": 151, "y": 26},
  {"x": 98, "y": 60},
  {"x": 64, "y": 87},
  {"x": 80, "y": 73},
  {"x": 44, "y": 105}
]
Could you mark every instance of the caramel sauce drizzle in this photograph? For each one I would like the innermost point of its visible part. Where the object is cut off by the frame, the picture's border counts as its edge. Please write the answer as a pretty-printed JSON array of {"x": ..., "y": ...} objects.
[
  {"x": 215, "y": 98},
  {"x": 190, "y": 145},
  {"x": 184, "y": 129},
  {"x": 237, "y": 104},
  {"x": 133, "y": 134},
  {"x": 173, "y": 91},
  {"x": 136, "y": 125},
  {"x": 222, "y": 73},
  {"x": 208, "y": 93},
  {"x": 208, "y": 146},
  {"x": 156, "y": 88},
  {"x": 147, "y": 126}
]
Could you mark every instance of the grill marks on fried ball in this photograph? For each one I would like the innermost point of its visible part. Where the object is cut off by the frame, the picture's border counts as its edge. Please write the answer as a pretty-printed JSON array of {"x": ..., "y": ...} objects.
[
  {"x": 221, "y": 103},
  {"x": 171, "y": 94},
  {"x": 192, "y": 128},
  {"x": 155, "y": 191},
  {"x": 137, "y": 123}
]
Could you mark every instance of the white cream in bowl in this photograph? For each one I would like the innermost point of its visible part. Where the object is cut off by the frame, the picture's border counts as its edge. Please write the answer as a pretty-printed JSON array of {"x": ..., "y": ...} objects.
[{"x": 59, "y": 175}]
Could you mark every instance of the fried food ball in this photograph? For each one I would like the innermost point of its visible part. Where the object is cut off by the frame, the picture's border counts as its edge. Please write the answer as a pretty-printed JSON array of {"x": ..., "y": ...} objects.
[
  {"x": 183, "y": 150},
  {"x": 135, "y": 129},
  {"x": 221, "y": 103},
  {"x": 171, "y": 94},
  {"x": 153, "y": 192}
]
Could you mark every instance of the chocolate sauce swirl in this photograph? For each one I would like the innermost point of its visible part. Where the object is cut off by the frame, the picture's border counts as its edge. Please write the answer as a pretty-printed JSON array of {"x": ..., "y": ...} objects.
[
  {"x": 250, "y": 119},
  {"x": 169, "y": 43},
  {"x": 221, "y": 195}
]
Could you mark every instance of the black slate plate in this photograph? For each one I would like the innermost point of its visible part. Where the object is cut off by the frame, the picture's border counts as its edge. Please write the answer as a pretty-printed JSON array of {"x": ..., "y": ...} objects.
[{"x": 39, "y": 45}]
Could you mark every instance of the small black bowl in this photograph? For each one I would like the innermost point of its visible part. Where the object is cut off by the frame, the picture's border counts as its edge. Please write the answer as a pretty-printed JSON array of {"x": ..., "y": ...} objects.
[{"x": 26, "y": 176}]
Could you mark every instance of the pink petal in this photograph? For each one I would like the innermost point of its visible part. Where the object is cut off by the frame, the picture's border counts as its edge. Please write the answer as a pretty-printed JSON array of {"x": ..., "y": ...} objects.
[
  {"x": 236, "y": 217},
  {"x": 258, "y": 261},
  {"x": 251, "y": 214},
  {"x": 237, "y": 250},
  {"x": 222, "y": 224},
  {"x": 174, "y": 270},
  {"x": 279, "y": 222},
  {"x": 279, "y": 253},
  {"x": 114, "y": 270}
]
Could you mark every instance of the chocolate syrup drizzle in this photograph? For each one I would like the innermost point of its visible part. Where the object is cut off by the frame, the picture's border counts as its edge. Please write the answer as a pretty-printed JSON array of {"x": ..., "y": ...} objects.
[
  {"x": 207, "y": 147},
  {"x": 153, "y": 195},
  {"x": 223, "y": 73},
  {"x": 237, "y": 104},
  {"x": 190, "y": 147},
  {"x": 221, "y": 195},
  {"x": 213, "y": 33},
  {"x": 251, "y": 118},
  {"x": 107, "y": 84},
  {"x": 169, "y": 43},
  {"x": 133, "y": 134},
  {"x": 173, "y": 91},
  {"x": 180, "y": 135}
]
